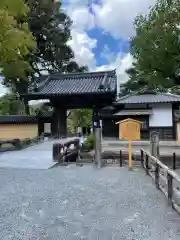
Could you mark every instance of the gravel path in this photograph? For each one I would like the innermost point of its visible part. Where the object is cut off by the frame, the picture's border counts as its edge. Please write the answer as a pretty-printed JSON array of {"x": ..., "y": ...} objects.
[
  {"x": 38, "y": 156},
  {"x": 73, "y": 203}
]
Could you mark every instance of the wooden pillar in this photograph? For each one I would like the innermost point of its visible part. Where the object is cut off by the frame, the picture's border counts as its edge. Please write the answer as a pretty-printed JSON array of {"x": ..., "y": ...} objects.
[
  {"x": 26, "y": 106},
  {"x": 59, "y": 122},
  {"x": 40, "y": 127}
]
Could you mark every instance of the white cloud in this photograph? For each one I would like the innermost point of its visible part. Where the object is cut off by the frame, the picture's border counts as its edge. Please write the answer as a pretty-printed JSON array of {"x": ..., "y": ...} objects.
[
  {"x": 82, "y": 45},
  {"x": 77, "y": 3},
  {"x": 116, "y": 16},
  {"x": 120, "y": 64},
  {"x": 82, "y": 18},
  {"x": 3, "y": 90}
]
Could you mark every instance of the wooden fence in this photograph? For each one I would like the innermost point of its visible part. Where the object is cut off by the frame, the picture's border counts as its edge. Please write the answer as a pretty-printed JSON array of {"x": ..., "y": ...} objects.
[{"x": 167, "y": 180}]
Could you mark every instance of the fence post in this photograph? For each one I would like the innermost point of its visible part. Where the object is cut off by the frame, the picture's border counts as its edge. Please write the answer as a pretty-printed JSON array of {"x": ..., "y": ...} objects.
[
  {"x": 120, "y": 158},
  {"x": 174, "y": 161},
  {"x": 154, "y": 144},
  {"x": 157, "y": 175},
  {"x": 142, "y": 158},
  {"x": 147, "y": 164},
  {"x": 170, "y": 188}
]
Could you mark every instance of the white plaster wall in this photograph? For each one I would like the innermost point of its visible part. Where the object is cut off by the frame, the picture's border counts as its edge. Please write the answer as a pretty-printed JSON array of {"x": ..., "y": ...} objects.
[{"x": 162, "y": 115}]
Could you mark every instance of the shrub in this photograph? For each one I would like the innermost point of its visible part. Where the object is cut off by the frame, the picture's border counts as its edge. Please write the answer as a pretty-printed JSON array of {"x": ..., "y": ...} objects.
[
  {"x": 34, "y": 140},
  {"x": 89, "y": 143},
  {"x": 26, "y": 142}
]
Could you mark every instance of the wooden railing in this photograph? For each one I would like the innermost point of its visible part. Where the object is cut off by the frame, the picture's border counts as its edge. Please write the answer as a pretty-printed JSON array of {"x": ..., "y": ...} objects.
[
  {"x": 64, "y": 151},
  {"x": 167, "y": 180}
]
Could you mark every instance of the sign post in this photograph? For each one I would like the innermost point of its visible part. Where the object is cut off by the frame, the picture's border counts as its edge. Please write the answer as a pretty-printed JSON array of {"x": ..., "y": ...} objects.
[
  {"x": 130, "y": 153},
  {"x": 129, "y": 129}
]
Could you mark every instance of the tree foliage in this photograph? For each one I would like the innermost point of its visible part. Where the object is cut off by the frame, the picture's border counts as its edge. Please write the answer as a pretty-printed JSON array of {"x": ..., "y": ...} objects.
[
  {"x": 79, "y": 118},
  {"x": 16, "y": 40},
  {"x": 10, "y": 105},
  {"x": 156, "y": 48},
  {"x": 50, "y": 27},
  {"x": 41, "y": 108}
]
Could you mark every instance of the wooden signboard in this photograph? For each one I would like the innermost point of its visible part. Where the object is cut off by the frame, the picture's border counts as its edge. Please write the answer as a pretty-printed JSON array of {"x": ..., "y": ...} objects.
[{"x": 129, "y": 129}]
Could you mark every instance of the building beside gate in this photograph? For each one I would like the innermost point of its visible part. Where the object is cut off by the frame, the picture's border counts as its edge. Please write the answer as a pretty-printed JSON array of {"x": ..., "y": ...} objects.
[
  {"x": 157, "y": 112},
  {"x": 23, "y": 127},
  {"x": 18, "y": 127}
]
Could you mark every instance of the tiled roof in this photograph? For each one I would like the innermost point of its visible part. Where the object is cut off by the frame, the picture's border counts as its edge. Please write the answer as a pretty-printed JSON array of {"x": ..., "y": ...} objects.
[
  {"x": 74, "y": 83},
  {"x": 149, "y": 98},
  {"x": 17, "y": 119}
]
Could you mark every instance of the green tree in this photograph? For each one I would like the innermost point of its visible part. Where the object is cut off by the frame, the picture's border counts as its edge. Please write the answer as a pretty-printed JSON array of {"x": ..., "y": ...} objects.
[
  {"x": 43, "y": 108},
  {"x": 50, "y": 27},
  {"x": 11, "y": 105},
  {"x": 79, "y": 118},
  {"x": 16, "y": 40},
  {"x": 156, "y": 48}
]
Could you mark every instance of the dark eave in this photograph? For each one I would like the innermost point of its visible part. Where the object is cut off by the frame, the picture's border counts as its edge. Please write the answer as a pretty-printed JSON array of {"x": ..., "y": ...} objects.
[
  {"x": 74, "y": 84},
  {"x": 17, "y": 119},
  {"x": 44, "y": 115},
  {"x": 135, "y": 112}
]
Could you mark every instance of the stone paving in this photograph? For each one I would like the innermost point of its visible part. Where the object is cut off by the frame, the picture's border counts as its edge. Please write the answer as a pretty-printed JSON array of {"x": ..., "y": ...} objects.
[
  {"x": 35, "y": 157},
  {"x": 73, "y": 203},
  {"x": 166, "y": 147}
]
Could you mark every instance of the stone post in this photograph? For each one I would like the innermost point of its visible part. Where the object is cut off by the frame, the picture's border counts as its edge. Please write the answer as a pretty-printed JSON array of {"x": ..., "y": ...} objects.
[{"x": 154, "y": 144}]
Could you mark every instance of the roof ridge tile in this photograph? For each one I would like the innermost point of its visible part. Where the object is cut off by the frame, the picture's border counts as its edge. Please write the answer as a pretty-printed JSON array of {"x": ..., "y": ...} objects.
[{"x": 88, "y": 74}]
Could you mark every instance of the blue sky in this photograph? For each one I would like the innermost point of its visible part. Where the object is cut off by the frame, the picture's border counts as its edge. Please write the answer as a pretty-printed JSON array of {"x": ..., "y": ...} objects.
[
  {"x": 101, "y": 32},
  {"x": 108, "y": 45}
]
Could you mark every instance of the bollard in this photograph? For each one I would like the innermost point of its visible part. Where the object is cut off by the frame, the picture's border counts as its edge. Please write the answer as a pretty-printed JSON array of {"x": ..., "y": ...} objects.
[
  {"x": 55, "y": 152},
  {"x": 147, "y": 164},
  {"x": 157, "y": 175},
  {"x": 174, "y": 161},
  {"x": 170, "y": 188},
  {"x": 120, "y": 158},
  {"x": 142, "y": 158}
]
